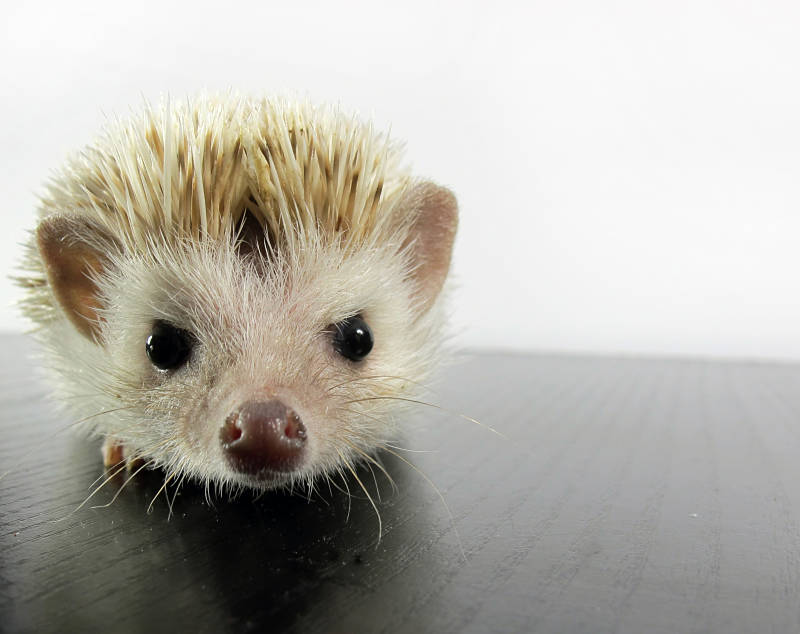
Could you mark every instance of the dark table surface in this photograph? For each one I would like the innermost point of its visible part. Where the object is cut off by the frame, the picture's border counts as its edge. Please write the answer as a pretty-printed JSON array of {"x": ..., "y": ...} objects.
[{"x": 627, "y": 496}]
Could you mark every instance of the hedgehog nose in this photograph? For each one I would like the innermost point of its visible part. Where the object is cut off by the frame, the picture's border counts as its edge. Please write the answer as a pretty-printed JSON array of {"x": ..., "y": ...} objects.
[{"x": 263, "y": 436}]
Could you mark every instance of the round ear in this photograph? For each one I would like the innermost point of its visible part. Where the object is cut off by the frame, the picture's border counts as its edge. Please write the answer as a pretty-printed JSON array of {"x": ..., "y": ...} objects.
[
  {"x": 430, "y": 240},
  {"x": 74, "y": 252}
]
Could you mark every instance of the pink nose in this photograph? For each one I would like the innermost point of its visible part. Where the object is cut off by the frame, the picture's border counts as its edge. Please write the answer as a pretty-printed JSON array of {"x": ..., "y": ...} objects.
[{"x": 263, "y": 436}]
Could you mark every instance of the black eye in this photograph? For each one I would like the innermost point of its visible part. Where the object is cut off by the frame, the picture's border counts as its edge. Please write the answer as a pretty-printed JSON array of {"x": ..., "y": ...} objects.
[
  {"x": 168, "y": 347},
  {"x": 352, "y": 338}
]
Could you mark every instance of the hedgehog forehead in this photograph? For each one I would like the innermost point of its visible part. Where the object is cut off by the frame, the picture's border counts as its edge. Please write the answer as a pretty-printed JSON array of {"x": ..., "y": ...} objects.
[{"x": 213, "y": 289}]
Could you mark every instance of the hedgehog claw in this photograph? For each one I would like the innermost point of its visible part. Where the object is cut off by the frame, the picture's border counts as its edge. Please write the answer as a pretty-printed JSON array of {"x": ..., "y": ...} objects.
[{"x": 114, "y": 454}]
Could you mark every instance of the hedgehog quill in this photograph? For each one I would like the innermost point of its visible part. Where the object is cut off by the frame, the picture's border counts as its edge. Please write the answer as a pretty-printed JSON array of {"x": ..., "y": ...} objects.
[{"x": 243, "y": 292}]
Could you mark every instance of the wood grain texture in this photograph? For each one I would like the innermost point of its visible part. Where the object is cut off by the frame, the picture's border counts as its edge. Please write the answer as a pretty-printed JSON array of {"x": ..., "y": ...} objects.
[{"x": 628, "y": 496}]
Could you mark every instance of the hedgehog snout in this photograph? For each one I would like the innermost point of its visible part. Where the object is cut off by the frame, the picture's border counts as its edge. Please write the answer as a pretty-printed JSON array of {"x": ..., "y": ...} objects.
[{"x": 260, "y": 438}]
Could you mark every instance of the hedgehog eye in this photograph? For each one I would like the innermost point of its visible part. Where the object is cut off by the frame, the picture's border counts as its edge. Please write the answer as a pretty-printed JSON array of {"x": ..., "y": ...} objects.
[
  {"x": 352, "y": 338},
  {"x": 168, "y": 347}
]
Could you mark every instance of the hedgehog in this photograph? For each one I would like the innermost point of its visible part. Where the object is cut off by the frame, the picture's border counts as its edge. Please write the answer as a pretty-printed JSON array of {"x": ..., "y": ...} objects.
[{"x": 245, "y": 292}]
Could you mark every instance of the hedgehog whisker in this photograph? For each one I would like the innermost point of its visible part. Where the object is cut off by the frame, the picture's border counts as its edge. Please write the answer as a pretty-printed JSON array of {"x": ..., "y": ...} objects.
[
  {"x": 318, "y": 490},
  {"x": 328, "y": 480},
  {"x": 389, "y": 445},
  {"x": 124, "y": 484},
  {"x": 260, "y": 495},
  {"x": 378, "y": 377},
  {"x": 98, "y": 478},
  {"x": 175, "y": 495},
  {"x": 438, "y": 493},
  {"x": 315, "y": 379},
  {"x": 357, "y": 413},
  {"x": 309, "y": 488},
  {"x": 95, "y": 415},
  {"x": 349, "y": 467},
  {"x": 439, "y": 407},
  {"x": 109, "y": 478},
  {"x": 167, "y": 480},
  {"x": 61, "y": 431},
  {"x": 346, "y": 491},
  {"x": 372, "y": 460},
  {"x": 92, "y": 494},
  {"x": 207, "y": 492},
  {"x": 349, "y": 496},
  {"x": 128, "y": 461},
  {"x": 375, "y": 480}
]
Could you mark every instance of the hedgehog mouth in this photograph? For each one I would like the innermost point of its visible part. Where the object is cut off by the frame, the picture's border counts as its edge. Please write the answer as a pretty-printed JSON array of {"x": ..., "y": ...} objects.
[
  {"x": 266, "y": 480},
  {"x": 267, "y": 475}
]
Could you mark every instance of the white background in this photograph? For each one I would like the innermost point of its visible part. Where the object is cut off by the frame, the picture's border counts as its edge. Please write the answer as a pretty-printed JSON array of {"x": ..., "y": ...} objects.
[{"x": 628, "y": 172}]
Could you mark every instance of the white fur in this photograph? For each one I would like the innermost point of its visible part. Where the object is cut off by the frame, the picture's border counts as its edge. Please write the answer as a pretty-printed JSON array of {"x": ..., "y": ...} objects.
[{"x": 166, "y": 191}]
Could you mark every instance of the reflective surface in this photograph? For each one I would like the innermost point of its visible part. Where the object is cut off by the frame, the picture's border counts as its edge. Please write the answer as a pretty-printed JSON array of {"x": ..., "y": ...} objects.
[{"x": 626, "y": 495}]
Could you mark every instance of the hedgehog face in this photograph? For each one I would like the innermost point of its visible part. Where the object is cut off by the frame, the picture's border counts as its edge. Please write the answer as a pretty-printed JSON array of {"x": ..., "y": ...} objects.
[
  {"x": 242, "y": 365},
  {"x": 241, "y": 292},
  {"x": 254, "y": 375}
]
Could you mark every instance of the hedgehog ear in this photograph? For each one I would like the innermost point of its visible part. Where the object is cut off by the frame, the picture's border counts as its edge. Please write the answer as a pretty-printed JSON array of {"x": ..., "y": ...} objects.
[
  {"x": 435, "y": 213},
  {"x": 73, "y": 259}
]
